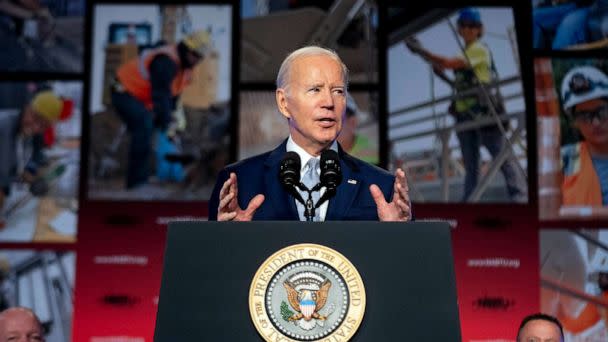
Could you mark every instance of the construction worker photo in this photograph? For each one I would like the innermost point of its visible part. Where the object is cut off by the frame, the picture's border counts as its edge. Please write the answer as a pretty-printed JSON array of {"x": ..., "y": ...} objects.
[
  {"x": 584, "y": 95},
  {"x": 472, "y": 69},
  {"x": 22, "y": 135},
  {"x": 144, "y": 94}
]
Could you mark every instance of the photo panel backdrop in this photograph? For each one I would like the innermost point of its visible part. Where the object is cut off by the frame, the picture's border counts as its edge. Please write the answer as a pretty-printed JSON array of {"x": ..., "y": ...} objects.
[
  {"x": 574, "y": 281},
  {"x": 262, "y": 127},
  {"x": 349, "y": 27},
  {"x": 570, "y": 25},
  {"x": 149, "y": 142},
  {"x": 42, "y": 36},
  {"x": 457, "y": 141},
  {"x": 40, "y": 164},
  {"x": 496, "y": 274},
  {"x": 572, "y": 109}
]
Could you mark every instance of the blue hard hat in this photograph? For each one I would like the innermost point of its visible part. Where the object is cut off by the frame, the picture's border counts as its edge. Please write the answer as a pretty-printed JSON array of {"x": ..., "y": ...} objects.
[{"x": 469, "y": 15}]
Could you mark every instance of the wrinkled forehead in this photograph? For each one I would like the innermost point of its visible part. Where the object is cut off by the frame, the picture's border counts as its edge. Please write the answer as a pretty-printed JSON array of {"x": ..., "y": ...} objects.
[
  {"x": 312, "y": 68},
  {"x": 19, "y": 322}
]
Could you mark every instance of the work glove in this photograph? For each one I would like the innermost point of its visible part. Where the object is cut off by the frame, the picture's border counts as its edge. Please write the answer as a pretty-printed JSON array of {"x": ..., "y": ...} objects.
[
  {"x": 178, "y": 120},
  {"x": 39, "y": 187}
]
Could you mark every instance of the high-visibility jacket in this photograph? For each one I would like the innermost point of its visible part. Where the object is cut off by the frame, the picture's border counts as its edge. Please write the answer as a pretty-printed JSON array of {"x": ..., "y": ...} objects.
[
  {"x": 134, "y": 75},
  {"x": 581, "y": 184},
  {"x": 588, "y": 317}
]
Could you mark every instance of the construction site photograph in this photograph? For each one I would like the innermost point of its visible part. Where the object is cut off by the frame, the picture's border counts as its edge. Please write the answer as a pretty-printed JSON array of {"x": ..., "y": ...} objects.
[
  {"x": 570, "y": 24},
  {"x": 160, "y": 106},
  {"x": 42, "y": 35},
  {"x": 262, "y": 127},
  {"x": 574, "y": 281},
  {"x": 40, "y": 134},
  {"x": 456, "y": 106},
  {"x": 347, "y": 26},
  {"x": 572, "y": 102}
]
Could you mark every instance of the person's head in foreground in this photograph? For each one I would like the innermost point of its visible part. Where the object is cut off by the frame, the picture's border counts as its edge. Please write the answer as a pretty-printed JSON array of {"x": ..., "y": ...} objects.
[
  {"x": 540, "y": 327},
  {"x": 20, "y": 324},
  {"x": 311, "y": 93},
  {"x": 585, "y": 100}
]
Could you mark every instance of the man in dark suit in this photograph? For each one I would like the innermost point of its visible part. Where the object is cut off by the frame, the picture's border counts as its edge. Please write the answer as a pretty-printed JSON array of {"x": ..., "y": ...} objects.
[{"x": 311, "y": 95}]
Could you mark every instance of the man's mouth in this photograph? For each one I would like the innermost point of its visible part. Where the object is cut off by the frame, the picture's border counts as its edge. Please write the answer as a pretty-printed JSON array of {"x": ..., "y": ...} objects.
[{"x": 326, "y": 122}]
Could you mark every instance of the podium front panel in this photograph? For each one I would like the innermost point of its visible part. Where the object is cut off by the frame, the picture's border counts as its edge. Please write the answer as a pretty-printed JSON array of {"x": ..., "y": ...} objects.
[{"x": 407, "y": 270}]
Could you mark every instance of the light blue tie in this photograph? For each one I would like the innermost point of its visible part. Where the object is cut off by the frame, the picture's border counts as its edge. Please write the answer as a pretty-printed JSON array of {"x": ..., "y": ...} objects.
[{"x": 310, "y": 178}]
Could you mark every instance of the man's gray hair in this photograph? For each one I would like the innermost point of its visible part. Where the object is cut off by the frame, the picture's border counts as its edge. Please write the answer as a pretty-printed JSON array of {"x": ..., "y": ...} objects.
[{"x": 311, "y": 50}]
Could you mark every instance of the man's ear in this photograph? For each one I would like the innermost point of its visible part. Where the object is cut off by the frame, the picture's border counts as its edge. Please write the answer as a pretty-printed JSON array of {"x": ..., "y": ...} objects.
[{"x": 281, "y": 97}]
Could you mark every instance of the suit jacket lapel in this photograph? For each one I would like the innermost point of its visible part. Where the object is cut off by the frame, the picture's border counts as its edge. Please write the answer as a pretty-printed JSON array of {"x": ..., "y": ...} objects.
[
  {"x": 282, "y": 204},
  {"x": 347, "y": 191}
]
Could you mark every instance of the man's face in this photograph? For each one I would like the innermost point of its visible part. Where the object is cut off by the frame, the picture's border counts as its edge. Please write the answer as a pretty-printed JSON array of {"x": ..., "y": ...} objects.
[
  {"x": 591, "y": 119},
  {"x": 314, "y": 102},
  {"x": 33, "y": 123},
  {"x": 540, "y": 331},
  {"x": 20, "y": 326},
  {"x": 469, "y": 31}
]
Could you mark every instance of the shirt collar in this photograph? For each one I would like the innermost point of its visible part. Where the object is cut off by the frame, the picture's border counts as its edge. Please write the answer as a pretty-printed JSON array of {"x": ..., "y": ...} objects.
[{"x": 305, "y": 156}]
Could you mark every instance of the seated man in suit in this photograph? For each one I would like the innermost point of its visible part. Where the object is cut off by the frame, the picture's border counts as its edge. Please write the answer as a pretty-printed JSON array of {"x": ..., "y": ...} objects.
[{"x": 311, "y": 95}]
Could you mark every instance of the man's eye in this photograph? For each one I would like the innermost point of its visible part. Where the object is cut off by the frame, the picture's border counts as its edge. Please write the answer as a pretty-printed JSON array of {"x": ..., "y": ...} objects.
[{"x": 339, "y": 91}]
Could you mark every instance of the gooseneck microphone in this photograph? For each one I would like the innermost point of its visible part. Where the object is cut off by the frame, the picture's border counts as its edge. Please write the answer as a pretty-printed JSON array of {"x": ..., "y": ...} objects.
[
  {"x": 289, "y": 174},
  {"x": 331, "y": 175}
]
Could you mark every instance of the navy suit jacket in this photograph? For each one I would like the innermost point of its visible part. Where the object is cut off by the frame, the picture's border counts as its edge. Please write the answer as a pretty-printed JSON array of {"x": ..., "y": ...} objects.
[{"x": 260, "y": 175}]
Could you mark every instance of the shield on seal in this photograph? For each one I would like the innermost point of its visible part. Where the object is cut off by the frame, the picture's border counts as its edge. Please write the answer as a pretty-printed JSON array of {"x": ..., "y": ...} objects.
[{"x": 307, "y": 305}]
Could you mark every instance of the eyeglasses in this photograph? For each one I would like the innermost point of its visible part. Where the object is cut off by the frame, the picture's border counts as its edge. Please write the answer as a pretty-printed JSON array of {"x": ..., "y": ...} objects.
[{"x": 601, "y": 113}]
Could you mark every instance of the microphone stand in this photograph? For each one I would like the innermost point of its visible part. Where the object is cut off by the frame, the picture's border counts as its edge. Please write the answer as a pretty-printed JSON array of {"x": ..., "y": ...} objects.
[{"x": 309, "y": 206}]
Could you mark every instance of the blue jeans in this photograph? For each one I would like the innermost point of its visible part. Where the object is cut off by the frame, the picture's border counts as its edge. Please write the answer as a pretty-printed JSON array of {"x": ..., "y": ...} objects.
[
  {"x": 566, "y": 22},
  {"x": 491, "y": 137},
  {"x": 139, "y": 121}
]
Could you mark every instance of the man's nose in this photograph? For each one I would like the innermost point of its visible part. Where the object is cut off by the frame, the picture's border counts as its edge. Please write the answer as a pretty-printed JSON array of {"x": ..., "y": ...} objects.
[{"x": 327, "y": 99}]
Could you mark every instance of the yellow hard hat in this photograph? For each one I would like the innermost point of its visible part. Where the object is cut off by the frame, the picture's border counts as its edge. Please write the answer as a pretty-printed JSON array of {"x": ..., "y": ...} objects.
[
  {"x": 48, "y": 105},
  {"x": 198, "y": 41}
]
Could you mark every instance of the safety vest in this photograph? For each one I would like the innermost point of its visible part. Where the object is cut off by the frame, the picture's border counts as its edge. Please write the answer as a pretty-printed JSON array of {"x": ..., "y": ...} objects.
[
  {"x": 134, "y": 75},
  {"x": 581, "y": 184},
  {"x": 466, "y": 79}
]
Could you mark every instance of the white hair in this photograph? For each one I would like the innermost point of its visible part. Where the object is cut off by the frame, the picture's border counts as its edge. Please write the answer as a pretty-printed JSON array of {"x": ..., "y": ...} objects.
[{"x": 311, "y": 50}]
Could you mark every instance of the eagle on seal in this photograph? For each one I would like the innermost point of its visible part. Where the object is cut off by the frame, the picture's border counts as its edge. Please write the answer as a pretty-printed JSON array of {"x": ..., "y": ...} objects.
[{"x": 307, "y": 303}]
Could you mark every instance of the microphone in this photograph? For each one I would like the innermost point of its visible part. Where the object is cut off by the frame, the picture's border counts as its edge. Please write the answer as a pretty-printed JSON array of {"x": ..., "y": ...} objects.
[
  {"x": 331, "y": 174},
  {"x": 289, "y": 174}
]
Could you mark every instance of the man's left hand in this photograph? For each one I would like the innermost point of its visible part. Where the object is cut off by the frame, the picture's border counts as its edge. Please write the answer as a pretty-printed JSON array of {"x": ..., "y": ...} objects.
[{"x": 399, "y": 209}]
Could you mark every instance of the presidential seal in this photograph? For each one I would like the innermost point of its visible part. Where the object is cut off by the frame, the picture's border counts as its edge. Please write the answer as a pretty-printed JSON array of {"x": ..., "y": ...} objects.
[{"x": 307, "y": 292}]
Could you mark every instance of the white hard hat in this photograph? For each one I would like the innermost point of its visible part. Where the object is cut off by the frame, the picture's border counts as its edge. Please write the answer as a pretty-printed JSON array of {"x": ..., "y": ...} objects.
[
  {"x": 599, "y": 263},
  {"x": 583, "y": 83}
]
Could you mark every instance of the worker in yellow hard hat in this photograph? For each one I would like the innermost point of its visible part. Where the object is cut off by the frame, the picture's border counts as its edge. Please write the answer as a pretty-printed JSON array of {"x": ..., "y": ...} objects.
[
  {"x": 144, "y": 95},
  {"x": 19, "y": 131}
]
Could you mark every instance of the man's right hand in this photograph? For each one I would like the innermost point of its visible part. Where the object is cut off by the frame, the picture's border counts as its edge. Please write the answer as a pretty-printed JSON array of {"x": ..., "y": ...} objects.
[{"x": 229, "y": 209}]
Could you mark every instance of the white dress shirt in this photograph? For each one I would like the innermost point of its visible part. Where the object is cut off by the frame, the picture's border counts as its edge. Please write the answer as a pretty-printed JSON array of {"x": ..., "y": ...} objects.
[{"x": 304, "y": 157}]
